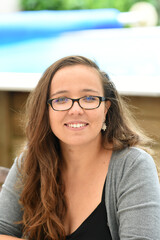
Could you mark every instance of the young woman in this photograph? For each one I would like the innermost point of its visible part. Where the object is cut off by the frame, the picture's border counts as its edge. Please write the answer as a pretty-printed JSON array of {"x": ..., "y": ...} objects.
[{"x": 83, "y": 174}]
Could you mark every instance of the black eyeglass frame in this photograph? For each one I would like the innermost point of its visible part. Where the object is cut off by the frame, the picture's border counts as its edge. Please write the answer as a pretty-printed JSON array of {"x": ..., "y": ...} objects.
[{"x": 101, "y": 99}]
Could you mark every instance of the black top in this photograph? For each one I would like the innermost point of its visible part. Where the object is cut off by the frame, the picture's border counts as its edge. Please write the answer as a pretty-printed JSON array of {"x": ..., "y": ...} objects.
[{"x": 95, "y": 226}]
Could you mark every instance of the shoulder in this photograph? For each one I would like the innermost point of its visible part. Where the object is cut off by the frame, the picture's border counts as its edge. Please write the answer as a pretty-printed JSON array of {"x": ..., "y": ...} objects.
[
  {"x": 131, "y": 156},
  {"x": 134, "y": 161},
  {"x": 14, "y": 175},
  {"x": 17, "y": 164}
]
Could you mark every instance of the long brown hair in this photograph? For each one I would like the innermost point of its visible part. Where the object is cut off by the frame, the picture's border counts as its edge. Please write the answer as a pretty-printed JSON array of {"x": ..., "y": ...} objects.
[{"x": 42, "y": 196}]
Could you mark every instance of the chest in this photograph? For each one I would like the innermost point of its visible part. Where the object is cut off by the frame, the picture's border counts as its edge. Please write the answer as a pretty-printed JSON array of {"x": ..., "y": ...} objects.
[
  {"x": 83, "y": 197},
  {"x": 83, "y": 192},
  {"x": 89, "y": 222}
]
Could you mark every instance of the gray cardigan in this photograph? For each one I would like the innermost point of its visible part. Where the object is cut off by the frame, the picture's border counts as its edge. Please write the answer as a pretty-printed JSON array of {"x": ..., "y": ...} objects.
[{"x": 132, "y": 198}]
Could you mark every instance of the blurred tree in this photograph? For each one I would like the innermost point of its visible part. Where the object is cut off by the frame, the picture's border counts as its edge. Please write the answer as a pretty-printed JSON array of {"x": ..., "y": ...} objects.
[{"x": 122, "y": 5}]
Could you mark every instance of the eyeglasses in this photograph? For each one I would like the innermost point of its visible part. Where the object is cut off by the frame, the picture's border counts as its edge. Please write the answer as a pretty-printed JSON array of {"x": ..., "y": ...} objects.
[{"x": 64, "y": 103}]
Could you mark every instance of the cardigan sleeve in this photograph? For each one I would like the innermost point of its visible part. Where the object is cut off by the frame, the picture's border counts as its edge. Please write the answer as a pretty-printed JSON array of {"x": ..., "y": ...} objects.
[
  {"x": 10, "y": 209},
  {"x": 138, "y": 198}
]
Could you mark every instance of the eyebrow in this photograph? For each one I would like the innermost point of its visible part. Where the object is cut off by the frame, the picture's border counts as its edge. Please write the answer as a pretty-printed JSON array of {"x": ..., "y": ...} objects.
[
  {"x": 90, "y": 90},
  {"x": 65, "y": 91},
  {"x": 59, "y": 92}
]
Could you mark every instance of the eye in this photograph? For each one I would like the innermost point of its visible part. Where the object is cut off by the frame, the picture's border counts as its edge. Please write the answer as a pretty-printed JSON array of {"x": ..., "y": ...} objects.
[
  {"x": 60, "y": 100},
  {"x": 90, "y": 99}
]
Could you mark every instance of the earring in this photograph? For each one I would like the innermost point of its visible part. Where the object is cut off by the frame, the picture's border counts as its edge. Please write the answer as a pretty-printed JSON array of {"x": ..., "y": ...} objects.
[{"x": 104, "y": 127}]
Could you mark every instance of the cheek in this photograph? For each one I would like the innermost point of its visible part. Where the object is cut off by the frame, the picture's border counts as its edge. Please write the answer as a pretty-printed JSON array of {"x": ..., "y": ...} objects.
[
  {"x": 99, "y": 117},
  {"x": 56, "y": 121}
]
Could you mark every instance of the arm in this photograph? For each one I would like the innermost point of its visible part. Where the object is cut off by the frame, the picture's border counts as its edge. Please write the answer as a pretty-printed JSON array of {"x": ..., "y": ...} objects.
[
  {"x": 4, "y": 237},
  {"x": 10, "y": 210},
  {"x": 138, "y": 199}
]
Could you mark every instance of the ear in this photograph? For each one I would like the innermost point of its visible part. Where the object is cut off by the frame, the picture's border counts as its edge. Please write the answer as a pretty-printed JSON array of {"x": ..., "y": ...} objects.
[{"x": 107, "y": 106}]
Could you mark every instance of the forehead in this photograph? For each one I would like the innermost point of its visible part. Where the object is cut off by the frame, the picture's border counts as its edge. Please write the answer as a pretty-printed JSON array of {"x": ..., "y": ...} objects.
[{"x": 76, "y": 77}]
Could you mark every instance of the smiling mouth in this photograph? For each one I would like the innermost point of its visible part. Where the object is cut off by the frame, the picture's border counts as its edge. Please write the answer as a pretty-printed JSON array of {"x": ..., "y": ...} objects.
[{"x": 76, "y": 125}]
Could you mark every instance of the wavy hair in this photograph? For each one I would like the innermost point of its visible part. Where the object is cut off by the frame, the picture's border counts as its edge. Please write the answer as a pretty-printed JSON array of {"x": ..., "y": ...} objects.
[{"x": 43, "y": 194}]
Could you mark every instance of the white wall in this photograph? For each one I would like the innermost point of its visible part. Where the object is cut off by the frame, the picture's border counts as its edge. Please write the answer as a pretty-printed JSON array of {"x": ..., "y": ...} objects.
[{"x": 8, "y": 6}]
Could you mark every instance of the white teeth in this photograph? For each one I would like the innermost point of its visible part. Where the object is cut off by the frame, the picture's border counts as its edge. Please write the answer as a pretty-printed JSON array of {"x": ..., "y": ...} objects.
[{"x": 78, "y": 125}]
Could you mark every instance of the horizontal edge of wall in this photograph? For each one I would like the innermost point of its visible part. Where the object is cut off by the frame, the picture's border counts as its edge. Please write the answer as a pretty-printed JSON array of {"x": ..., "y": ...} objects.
[{"x": 126, "y": 85}]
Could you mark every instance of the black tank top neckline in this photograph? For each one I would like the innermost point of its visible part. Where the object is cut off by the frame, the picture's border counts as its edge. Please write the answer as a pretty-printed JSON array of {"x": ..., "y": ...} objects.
[{"x": 95, "y": 226}]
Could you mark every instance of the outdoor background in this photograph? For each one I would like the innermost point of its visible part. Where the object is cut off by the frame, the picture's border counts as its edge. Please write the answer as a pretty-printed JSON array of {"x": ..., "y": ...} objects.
[
  {"x": 121, "y": 5},
  {"x": 12, "y": 103}
]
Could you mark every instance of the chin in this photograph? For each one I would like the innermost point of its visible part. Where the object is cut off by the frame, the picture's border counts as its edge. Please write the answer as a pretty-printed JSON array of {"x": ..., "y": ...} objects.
[{"x": 75, "y": 142}]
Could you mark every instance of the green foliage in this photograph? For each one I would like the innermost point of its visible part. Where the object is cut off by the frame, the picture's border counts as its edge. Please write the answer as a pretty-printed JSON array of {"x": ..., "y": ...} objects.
[{"x": 122, "y": 5}]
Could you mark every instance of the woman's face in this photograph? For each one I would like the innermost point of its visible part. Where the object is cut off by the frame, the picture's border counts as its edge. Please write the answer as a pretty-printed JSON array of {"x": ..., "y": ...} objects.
[{"x": 77, "y": 126}]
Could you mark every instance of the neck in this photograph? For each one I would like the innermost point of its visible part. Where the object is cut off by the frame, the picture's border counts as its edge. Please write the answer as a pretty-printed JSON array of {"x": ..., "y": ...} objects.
[{"x": 78, "y": 158}]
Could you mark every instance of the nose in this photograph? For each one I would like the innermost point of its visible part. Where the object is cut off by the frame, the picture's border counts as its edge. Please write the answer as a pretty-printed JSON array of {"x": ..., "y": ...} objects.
[{"x": 75, "y": 109}]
